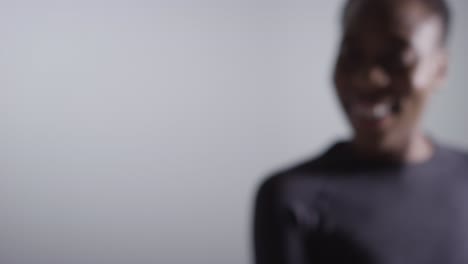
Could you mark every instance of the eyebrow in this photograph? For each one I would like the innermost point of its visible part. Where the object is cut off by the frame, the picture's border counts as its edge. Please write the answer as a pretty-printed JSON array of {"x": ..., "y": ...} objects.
[
  {"x": 399, "y": 41},
  {"x": 394, "y": 38}
]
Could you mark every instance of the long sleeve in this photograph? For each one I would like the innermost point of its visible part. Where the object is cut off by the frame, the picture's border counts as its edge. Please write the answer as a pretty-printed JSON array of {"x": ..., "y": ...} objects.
[{"x": 277, "y": 240}]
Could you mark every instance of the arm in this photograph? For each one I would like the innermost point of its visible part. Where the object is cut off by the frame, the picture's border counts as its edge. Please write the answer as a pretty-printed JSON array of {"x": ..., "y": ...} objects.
[{"x": 276, "y": 239}]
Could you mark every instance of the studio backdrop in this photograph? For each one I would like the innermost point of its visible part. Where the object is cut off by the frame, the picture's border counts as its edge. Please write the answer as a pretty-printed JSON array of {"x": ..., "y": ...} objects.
[{"x": 136, "y": 132}]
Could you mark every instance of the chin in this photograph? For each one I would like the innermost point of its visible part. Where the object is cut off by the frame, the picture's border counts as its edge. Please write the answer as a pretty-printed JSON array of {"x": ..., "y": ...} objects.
[
  {"x": 373, "y": 138},
  {"x": 373, "y": 129}
]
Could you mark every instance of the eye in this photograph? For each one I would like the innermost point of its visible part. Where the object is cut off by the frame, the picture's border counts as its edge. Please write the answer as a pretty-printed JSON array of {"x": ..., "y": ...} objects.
[
  {"x": 351, "y": 57},
  {"x": 397, "y": 57},
  {"x": 350, "y": 51},
  {"x": 393, "y": 62}
]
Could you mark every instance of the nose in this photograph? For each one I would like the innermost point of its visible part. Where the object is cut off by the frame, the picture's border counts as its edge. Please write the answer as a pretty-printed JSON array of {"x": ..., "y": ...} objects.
[{"x": 372, "y": 78}]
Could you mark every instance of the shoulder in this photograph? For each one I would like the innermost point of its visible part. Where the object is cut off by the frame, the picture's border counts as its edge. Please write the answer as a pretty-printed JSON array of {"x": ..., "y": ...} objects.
[
  {"x": 452, "y": 162},
  {"x": 301, "y": 178},
  {"x": 455, "y": 155},
  {"x": 317, "y": 164}
]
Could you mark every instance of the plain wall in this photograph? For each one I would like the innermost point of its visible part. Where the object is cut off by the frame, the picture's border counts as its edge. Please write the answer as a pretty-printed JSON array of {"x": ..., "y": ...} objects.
[{"x": 137, "y": 131}]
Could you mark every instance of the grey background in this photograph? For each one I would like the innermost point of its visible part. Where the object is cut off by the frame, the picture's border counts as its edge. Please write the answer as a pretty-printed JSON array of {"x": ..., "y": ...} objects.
[{"x": 137, "y": 131}]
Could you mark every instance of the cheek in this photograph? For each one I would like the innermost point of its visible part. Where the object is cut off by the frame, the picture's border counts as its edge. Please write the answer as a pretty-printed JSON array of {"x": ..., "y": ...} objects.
[
  {"x": 423, "y": 76},
  {"x": 413, "y": 95},
  {"x": 339, "y": 81},
  {"x": 413, "y": 103}
]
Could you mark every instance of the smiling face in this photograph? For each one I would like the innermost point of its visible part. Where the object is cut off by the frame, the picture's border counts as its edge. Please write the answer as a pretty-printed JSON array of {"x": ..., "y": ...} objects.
[{"x": 391, "y": 59}]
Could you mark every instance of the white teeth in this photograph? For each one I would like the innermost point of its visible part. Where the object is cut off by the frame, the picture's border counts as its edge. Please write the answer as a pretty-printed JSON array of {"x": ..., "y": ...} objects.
[
  {"x": 381, "y": 110},
  {"x": 377, "y": 111}
]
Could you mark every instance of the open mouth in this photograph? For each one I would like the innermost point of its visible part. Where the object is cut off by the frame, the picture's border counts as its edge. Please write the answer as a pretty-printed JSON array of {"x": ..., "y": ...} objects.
[
  {"x": 371, "y": 111},
  {"x": 373, "y": 114}
]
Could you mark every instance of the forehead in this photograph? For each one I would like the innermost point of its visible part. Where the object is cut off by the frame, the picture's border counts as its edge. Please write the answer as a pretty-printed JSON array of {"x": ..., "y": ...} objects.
[
  {"x": 395, "y": 18},
  {"x": 401, "y": 22}
]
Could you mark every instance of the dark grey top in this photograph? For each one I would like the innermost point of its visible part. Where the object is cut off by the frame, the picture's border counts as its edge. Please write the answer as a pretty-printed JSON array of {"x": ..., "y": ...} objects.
[{"x": 338, "y": 208}]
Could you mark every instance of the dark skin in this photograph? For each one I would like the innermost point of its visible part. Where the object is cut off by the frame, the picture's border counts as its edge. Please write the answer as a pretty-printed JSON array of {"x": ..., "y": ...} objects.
[{"x": 392, "y": 58}]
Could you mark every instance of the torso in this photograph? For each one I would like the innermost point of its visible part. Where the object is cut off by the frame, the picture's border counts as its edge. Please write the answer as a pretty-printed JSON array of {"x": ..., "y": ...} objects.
[{"x": 347, "y": 212}]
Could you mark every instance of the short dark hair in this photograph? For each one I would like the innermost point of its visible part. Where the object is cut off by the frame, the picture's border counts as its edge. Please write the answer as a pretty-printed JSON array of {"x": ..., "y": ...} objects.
[{"x": 439, "y": 7}]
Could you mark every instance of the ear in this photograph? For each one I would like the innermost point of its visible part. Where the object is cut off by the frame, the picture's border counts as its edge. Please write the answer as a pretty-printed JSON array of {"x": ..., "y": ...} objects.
[{"x": 441, "y": 70}]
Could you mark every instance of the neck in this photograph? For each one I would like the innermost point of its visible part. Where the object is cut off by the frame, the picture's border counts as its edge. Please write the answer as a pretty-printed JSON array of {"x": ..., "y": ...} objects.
[{"x": 413, "y": 149}]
